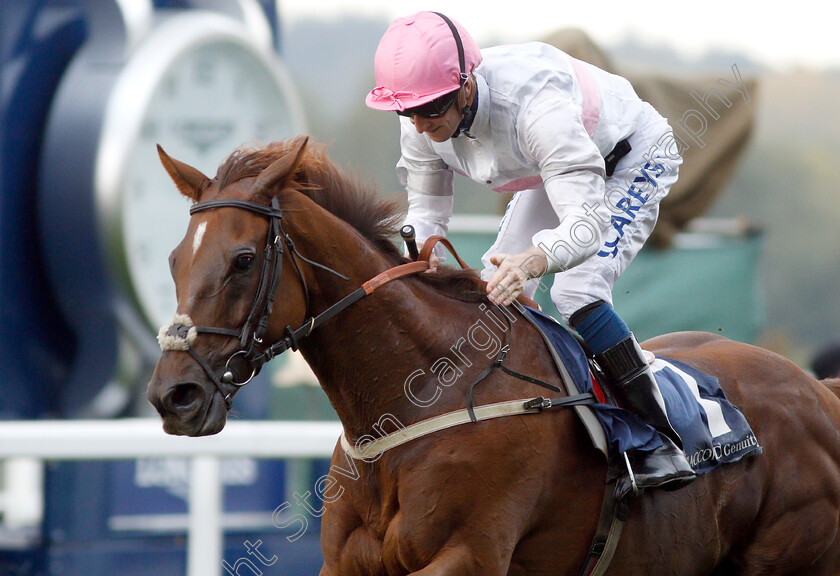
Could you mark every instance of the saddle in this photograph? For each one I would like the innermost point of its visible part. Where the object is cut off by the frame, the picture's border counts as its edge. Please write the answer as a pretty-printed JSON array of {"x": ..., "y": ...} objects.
[{"x": 713, "y": 431}]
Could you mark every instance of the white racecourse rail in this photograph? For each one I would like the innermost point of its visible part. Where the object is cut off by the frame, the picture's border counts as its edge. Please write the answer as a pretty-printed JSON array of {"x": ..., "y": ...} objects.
[{"x": 144, "y": 438}]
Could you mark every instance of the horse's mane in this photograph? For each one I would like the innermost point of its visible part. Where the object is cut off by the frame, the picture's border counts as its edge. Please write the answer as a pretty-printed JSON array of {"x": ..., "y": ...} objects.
[{"x": 363, "y": 207}]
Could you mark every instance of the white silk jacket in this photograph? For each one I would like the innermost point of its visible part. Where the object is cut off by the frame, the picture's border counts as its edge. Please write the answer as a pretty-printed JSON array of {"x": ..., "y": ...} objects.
[{"x": 544, "y": 123}]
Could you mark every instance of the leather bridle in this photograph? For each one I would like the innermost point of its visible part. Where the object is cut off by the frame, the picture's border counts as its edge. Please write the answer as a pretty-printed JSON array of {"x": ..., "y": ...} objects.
[{"x": 252, "y": 351}]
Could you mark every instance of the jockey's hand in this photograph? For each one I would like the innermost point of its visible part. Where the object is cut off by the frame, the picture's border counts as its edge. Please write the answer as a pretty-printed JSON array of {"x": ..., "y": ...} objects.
[
  {"x": 433, "y": 263},
  {"x": 512, "y": 272}
]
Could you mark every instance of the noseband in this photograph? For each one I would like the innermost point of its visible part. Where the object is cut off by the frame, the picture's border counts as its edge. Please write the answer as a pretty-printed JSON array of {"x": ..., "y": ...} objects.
[{"x": 180, "y": 334}]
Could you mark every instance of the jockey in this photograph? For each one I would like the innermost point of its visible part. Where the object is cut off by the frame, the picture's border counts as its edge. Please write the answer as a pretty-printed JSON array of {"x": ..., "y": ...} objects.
[{"x": 588, "y": 163}]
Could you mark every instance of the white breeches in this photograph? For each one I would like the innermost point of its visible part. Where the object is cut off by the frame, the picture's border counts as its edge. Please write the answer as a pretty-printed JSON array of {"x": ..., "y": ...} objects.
[{"x": 626, "y": 216}]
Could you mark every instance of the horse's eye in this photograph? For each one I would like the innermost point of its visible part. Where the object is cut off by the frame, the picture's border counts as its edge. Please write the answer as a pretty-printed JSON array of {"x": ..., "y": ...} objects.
[{"x": 243, "y": 262}]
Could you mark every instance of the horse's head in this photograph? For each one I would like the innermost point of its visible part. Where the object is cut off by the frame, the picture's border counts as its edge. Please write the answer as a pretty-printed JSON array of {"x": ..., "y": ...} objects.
[{"x": 227, "y": 270}]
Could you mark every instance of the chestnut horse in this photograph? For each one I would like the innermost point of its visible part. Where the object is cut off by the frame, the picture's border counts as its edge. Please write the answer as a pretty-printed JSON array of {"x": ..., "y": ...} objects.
[{"x": 517, "y": 495}]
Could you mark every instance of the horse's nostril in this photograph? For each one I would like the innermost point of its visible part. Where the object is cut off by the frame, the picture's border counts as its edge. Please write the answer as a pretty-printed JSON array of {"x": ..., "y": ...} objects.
[{"x": 184, "y": 396}]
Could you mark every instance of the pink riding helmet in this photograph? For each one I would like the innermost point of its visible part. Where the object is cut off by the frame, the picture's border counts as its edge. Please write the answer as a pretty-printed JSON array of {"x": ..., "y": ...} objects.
[{"x": 417, "y": 61}]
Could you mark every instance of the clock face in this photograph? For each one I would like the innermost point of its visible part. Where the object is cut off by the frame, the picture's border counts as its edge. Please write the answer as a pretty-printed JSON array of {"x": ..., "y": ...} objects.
[{"x": 211, "y": 97}]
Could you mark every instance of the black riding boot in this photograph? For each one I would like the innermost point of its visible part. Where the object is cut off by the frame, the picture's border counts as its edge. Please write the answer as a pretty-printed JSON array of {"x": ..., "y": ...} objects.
[{"x": 636, "y": 389}]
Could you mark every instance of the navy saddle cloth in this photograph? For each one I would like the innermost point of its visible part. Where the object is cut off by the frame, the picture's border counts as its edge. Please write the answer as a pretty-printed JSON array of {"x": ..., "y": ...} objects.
[{"x": 713, "y": 431}]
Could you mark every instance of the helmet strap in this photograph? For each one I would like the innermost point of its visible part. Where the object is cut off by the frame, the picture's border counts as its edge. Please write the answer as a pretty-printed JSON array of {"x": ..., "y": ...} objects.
[
  {"x": 468, "y": 111},
  {"x": 468, "y": 114}
]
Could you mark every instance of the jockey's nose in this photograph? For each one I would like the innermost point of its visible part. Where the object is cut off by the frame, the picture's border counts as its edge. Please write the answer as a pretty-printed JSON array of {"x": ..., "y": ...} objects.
[{"x": 421, "y": 123}]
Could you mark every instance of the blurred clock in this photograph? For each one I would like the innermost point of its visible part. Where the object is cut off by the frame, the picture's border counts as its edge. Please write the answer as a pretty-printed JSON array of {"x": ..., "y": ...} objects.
[
  {"x": 198, "y": 82},
  {"x": 200, "y": 87}
]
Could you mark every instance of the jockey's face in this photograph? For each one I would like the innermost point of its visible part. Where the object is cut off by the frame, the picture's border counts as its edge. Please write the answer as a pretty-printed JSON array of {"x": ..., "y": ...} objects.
[
  {"x": 442, "y": 128},
  {"x": 439, "y": 129}
]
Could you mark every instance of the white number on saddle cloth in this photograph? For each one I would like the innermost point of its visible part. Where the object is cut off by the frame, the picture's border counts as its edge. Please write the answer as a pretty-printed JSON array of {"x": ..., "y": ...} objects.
[{"x": 714, "y": 414}]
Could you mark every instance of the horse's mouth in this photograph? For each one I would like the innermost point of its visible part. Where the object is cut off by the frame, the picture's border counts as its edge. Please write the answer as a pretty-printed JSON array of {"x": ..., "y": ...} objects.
[{"x": 204, "y": 420}]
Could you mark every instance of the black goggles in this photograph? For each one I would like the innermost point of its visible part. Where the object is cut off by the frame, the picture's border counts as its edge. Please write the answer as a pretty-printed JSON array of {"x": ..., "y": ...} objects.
[{"x": 434, "y": 109}]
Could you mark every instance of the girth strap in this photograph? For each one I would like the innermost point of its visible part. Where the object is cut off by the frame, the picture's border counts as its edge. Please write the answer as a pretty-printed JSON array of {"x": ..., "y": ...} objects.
[{"x": 614, "y": 514}]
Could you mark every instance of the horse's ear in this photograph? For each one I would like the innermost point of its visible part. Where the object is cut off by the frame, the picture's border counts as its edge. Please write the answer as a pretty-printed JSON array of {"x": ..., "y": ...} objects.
[
  {"x": 281, "y": 171},
  {"x": 187, "y": 179}
]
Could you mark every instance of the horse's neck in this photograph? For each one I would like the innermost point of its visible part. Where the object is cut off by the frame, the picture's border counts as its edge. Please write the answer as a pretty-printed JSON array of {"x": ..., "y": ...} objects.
[
  {"x": 365, "y": 356},
  {"x": 378, "y": 359}
]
